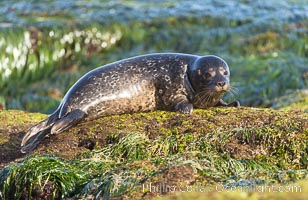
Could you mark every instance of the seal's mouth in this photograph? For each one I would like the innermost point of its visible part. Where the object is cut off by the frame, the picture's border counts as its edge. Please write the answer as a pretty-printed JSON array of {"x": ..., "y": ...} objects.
[
  {"x": 219, "y": 89},
  {"x": 221, "y": 86}
]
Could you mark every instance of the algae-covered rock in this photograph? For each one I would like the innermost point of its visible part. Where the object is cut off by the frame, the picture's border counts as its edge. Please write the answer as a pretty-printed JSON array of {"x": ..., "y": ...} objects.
[{"x": 148, "y": 155}]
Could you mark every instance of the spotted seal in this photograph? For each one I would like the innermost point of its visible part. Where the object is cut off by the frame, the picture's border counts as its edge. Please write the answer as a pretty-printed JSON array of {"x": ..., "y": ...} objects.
[{"x": 163, "y": 81}]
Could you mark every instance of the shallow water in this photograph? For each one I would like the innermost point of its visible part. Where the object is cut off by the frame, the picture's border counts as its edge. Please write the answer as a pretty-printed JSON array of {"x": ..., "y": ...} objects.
[{"x": 46, "y": 13}]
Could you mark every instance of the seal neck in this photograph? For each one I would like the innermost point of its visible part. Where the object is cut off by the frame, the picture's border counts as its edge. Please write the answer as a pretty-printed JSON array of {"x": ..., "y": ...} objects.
[{"x": 190, "y": 90}]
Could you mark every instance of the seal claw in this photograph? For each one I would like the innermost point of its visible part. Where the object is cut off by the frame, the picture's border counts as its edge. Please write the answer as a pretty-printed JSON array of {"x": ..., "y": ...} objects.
[{"x": 186, "y": 108}]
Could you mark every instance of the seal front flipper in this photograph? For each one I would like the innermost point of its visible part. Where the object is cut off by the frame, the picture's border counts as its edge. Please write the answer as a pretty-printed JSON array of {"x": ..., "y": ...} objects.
[
  {"x": 67, "y": 121},
  {"x": 232, "y": 104},
  {"x": 183, "y": 105}
]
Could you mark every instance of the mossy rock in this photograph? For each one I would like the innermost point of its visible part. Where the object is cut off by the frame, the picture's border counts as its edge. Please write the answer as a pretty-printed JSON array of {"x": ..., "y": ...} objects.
[{"x": 124, "y": 156}]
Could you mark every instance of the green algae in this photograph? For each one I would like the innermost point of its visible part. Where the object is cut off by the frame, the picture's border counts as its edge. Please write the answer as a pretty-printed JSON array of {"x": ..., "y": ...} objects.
[{"x": 224, "y": 146}]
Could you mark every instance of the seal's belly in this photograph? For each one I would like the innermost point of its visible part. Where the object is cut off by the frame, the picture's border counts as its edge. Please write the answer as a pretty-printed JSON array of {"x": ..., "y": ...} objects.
[{"x": 133, "y": 99}]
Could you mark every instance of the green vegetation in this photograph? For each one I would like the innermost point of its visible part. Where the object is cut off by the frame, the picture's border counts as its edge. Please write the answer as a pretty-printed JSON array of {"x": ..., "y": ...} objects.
[{"x": 257, "y": 147}]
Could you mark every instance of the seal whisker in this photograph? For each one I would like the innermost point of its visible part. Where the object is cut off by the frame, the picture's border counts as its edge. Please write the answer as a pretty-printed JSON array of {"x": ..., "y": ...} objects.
[
  {"x": 234, "y": 91},
  {"x": 205, "y": 97},
  {"x": 231, "y": 94}
]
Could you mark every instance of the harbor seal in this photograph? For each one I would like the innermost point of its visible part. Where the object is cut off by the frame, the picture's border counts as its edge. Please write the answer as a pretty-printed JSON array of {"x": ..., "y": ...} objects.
[{"x": 162, "y": 81}]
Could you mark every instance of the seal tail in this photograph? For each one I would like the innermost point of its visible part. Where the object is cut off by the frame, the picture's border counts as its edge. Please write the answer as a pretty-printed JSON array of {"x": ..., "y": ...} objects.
[{"x": 36, "y": 133}]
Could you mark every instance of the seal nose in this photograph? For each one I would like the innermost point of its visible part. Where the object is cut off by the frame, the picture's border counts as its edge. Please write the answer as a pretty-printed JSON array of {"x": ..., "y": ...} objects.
[{"x": 221, "y": 83}]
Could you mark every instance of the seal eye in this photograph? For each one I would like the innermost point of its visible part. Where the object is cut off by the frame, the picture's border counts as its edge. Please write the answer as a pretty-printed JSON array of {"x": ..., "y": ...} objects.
[
  {"x": 207, "y": 75},
  {"x": 226, "y": 73}
]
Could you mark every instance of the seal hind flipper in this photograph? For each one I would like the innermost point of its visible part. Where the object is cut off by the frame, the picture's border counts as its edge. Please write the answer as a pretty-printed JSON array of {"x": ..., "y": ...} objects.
[
  {"x": 69, "y": 120},
  {"x": 35, "y": 134},
  {"x": 32, "y": 142},
  {"x": 52, "y": 124}
]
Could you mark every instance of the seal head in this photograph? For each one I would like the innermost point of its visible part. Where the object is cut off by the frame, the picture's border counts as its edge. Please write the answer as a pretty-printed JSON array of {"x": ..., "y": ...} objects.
[{"x": 209, "y": 78}]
